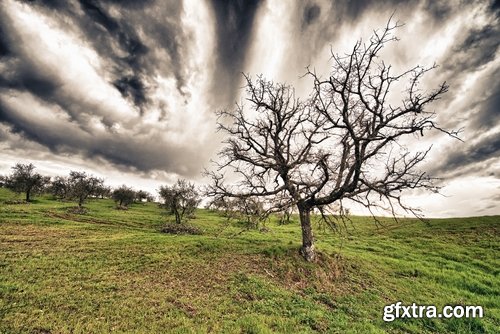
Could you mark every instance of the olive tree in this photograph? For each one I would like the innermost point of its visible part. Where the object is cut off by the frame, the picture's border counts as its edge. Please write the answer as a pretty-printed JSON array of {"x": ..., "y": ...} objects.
[
  {"x": 343, "y": 142},
  {"x": 59, "y": 187},
  {"x": 123, "y": 196},
  {"x": 181, "y": 199},
  {"x": 81, "y": 186},
  {"x": 142, "y": 195},
  {"x": 24, "y": 179}
]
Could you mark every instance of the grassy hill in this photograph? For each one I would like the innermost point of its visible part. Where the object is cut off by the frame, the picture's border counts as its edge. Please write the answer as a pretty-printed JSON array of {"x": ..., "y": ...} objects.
[{"x": 113, "y": 271}]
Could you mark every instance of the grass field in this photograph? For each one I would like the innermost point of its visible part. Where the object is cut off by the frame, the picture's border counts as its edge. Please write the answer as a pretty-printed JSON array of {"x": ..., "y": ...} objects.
[{"x": 113, "y": 271}]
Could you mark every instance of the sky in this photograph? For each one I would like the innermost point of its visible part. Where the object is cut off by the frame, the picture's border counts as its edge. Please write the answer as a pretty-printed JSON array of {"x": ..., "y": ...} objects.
[{"x": 127, "y": 90}]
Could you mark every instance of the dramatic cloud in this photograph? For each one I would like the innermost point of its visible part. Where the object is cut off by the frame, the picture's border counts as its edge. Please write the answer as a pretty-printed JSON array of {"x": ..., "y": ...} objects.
[
  {"x": 130, "y": 87},
  {"x": 234, "y": 23}
]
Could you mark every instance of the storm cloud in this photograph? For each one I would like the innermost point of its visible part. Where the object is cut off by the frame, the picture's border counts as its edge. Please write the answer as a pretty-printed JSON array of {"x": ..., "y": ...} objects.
[{"x": 133, "y": 85}]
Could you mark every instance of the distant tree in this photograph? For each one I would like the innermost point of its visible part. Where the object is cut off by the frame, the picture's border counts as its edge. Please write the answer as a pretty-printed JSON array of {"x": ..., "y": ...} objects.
[
  {"x": 59, "y": 187},
  {"x": 81, "y": 186},
  {"x": 123, "y": 196},
  {"x": 181, "y": 199},
  {"x": 25, "y": 180},
  {"x": 250, "y": 211},
  {"x": 344, "y": 142},
  {"x": 103, "y": 191},
  {"x": 142, "y": 195},
  {"x": 222, "y": 205},
  {"x": 285, "y": 216}
]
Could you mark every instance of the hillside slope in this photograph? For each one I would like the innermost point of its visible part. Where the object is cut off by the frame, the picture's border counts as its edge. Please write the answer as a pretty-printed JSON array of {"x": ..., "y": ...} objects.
[{"x": 113, "y": 271}]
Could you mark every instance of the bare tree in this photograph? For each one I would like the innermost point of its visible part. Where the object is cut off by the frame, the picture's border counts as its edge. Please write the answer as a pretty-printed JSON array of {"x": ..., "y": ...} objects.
[
  {"x": 81, "y": 186},
  {"x": 181, "y": 199},
  {"x": 341, "y": 143},
  {"x": 24, "y": 179}
]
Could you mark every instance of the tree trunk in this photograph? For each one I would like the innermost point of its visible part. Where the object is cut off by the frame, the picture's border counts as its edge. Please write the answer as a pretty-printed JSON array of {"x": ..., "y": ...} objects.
[
  {"x": 177, "y": 217},
  {"x": 28, "y": 195},
  {"x": 307, "y": 249}
]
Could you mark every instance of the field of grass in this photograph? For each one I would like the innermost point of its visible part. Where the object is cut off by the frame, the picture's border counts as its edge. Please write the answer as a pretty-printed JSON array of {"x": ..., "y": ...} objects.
[{"x": 113, "y": 271}]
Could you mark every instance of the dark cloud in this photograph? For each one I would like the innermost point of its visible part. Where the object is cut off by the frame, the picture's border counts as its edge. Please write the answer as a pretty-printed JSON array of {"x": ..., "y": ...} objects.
[
  {"x": 119, "y": 149},
  {"x": 477, "y": 49},
  {"x": 234, "y": 26},
  {"x": 52, "y": 4},
  {"x": 131, "y": 86},
  {"x": 10, "y": 118},
  {"x": 352, "y": 9},
  {"x": 129, "y": 42},
  {"x": 21, "y": 73},
  {"x": 311, "y": 13},
  {"x": 347, "y": 10},
  {"x": 132, "y": 4},
  {"x": 440, "y": 10},
  {"x": 4, "y": 43},
  {"x": 495, "y": 7},
  {"x": 93, "y": 10},
  {"x": 477, "y": 153},
  {"x": 134, "y": 51},
  {"x": 115, "y": 37},
  {"x": 487, "y": 111}
]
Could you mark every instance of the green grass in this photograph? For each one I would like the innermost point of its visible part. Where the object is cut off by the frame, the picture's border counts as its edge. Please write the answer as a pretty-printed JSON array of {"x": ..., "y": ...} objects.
[{"x": 112, "y": 271}]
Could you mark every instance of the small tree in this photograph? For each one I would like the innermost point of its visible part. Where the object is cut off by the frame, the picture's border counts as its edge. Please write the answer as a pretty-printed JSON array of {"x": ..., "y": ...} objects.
[
  {"x": 123, "y": 196},
  {"x": 344, "y": 142},
  {"x": 59, "y": 187},
  {"x": 181, "y": 199},
  {"x": 24, "y": 179},
  {"x": 142, "y": 195},
  {"x": 249, "y": 211},
  {"x": 102, "y": 191},
  {"x": 285, "y": 216},
  {"x": 81, "y": 186}
]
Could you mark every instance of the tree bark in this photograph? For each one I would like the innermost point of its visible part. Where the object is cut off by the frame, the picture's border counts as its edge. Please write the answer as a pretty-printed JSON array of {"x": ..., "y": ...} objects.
[
  {"x": 307, "y": 249},
  {"x": 177, "y": 217}
]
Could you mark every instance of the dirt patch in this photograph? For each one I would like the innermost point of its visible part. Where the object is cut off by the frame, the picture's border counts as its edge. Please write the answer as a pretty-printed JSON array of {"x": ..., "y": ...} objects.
[
  {"x": 80, "y": 218},
  {"x": 327, "y": 274},
  {"x": 16, "y": 201},
  {"x": 181, "y": 229}
]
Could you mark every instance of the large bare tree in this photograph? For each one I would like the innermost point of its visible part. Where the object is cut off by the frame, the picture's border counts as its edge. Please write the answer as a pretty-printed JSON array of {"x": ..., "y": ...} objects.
[{"x": 344, "y": 142}]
